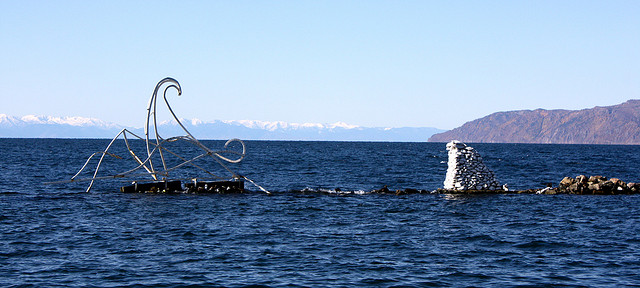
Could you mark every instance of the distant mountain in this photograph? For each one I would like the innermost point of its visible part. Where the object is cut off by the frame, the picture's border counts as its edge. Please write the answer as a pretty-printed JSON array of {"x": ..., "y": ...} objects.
[
  {"x": 31, "y": 126},
  {"x": 263, "y": 130},
  {"x": 618, "y": 124}
]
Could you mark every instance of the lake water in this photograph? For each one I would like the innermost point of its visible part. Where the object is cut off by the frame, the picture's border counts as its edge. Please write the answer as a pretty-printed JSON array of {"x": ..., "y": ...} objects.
[{"x": 308, "y": 235}]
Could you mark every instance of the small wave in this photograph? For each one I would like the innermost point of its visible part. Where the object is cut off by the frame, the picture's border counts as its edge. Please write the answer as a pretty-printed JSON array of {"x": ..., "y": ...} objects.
[
  {"x": 465, "y": 275},
  {"x": 127, "y": 251},
  {"x": 29, "y": 253},
  {"x": 540, "y": 244},
  {"x": 332, "y": 191},
  {"x": 480, "y": 237},
  {"x": 189, "y": 234},
  {"x": 8, "y": 193},
  {"x": 378, "y": 281}
]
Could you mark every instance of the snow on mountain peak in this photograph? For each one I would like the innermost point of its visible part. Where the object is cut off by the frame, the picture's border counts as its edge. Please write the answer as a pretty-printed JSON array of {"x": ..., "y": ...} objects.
[
  {"x": 67, "y": 120},
  {"x": 48, "y": 126},
  {"x": 7, "y": 120},
  {"x": 196, "y": 122},
  {"x": 88, "y": 122},
  {"x": 342, "y": 125},
  {"x": 275, "y": 125}
]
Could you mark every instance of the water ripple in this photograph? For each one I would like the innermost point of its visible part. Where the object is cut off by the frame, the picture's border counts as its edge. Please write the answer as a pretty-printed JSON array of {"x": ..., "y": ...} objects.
[{"x": 62, "y": 237}]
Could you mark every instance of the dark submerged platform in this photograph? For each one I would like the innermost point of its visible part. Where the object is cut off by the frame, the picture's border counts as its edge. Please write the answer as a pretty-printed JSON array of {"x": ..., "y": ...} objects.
[
  {"x": 220, "y": 187},
  {"x": 153, "y": 187}
]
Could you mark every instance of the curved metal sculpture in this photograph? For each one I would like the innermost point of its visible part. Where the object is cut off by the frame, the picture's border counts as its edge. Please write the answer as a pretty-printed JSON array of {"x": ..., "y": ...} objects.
[{"x": 158, "y": 145}]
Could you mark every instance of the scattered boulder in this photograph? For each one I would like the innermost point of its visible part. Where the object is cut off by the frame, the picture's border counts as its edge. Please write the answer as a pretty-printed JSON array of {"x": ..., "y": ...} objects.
[
  {"x": 386, "y": 190},
  {"x": 598, "y": 185},
  {"x": 633, "y": 187},
  {"x": 383, "y": 190},
  {"x": 407, "y": 191},
  {"x": 567, "y": 181},
  {"x": 466, "y": 170}
]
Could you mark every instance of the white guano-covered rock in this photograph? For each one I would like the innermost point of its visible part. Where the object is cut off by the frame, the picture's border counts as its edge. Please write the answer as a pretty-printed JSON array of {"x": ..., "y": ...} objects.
[{"x": 466, "y": 170}]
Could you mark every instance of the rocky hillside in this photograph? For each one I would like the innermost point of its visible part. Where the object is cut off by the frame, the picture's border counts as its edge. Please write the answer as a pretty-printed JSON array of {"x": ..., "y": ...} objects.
[{"x": 618, "y": 124}]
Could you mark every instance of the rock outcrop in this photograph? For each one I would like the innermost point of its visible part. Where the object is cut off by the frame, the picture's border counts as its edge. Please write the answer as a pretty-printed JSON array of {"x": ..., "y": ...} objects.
[
  {"x": 598, "y": 185},
  {"x": 466, "y": 170},
  {"x": 618, "y": 124}
]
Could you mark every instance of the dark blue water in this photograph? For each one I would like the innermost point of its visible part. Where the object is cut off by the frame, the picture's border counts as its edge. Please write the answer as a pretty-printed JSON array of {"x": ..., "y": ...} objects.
[{"x": 57, "y": 235}]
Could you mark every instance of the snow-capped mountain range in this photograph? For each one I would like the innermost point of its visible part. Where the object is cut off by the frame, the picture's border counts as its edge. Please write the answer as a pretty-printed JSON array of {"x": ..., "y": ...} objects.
[
  {"x": 32, "y": 126},
  {"x": 275, "y": 125},
  {"x": 6, "y": 120}
]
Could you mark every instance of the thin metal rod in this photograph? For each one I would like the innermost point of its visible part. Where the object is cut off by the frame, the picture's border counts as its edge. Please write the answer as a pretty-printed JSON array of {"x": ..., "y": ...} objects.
[{"x": 160, "y": 147}]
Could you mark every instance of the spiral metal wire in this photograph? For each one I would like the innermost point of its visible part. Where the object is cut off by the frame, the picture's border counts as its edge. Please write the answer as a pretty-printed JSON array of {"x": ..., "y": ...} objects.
[{"x": 157, "y": 145}]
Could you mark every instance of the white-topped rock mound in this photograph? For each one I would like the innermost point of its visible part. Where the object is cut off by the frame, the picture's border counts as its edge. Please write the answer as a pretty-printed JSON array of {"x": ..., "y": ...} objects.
[{"x": 467, "y": 171}]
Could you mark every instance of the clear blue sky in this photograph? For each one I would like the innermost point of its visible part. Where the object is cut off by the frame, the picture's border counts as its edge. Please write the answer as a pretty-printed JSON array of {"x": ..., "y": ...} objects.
[{"x": 369, "y": 63}]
